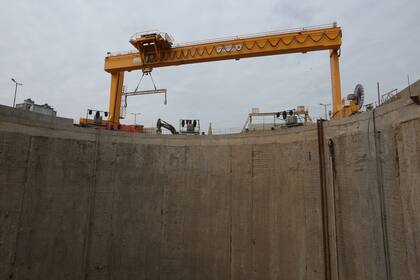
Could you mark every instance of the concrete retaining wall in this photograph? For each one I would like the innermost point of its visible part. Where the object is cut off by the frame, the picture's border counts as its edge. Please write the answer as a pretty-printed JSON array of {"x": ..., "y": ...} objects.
[{"x": 84, "y": 204}]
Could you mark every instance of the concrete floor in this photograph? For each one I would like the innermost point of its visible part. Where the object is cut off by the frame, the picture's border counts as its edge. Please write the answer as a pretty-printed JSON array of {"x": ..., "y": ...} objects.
[{"x": 79, "y": 203}]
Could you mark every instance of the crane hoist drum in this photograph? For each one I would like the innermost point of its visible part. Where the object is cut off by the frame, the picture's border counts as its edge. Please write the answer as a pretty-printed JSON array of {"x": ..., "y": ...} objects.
[{"x": 358, "y": 96}]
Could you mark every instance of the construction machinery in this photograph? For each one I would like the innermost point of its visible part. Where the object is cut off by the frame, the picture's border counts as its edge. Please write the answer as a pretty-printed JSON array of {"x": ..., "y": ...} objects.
[
  {"x": 156, "y": 49},
  {"x": 356, "y": 99},
  {"x": 161, "y": 123},
  {"x": 187, "y": 126},
  {"x": 95, "y": 118},
  {"x": 282, "y": 119}
]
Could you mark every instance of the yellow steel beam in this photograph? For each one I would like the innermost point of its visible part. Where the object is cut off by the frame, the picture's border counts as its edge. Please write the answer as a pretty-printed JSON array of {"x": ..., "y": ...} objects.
[
  {"x": 117, "y": 79},
  {"x": 301, "y": 41},
  {"x": 280, "y": 43},
  {"x": 337, "y": 103}
]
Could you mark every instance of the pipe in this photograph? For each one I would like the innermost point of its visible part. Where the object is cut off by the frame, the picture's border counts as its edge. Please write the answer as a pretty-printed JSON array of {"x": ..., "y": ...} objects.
[{"x": 324, "y": 200}]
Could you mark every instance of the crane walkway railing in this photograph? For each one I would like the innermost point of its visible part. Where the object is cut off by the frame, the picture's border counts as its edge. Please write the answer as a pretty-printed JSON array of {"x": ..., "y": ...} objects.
[
  {"x": 220, "y": 39},
  {"x": 387, "y": 97}
]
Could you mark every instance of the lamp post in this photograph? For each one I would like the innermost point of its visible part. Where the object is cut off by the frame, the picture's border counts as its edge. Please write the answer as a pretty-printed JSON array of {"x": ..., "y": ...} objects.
[
  {"x": 16, "y": 85},
  {"x": 135, "y": 117},
  {"x": 325, "y": 109}
]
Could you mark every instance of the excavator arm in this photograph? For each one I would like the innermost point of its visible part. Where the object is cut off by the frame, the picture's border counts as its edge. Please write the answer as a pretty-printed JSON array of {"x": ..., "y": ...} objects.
[
  {"x": 161, "y": 123},
  {"x": 157, "y": 50}
]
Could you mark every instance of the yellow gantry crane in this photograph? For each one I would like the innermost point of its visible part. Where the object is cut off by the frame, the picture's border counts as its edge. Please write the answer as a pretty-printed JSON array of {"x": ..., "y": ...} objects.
[{"x": 156, "y": 49}]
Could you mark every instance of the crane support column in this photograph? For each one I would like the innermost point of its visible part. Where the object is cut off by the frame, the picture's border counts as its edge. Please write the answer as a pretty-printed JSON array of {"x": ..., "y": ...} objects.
[
  {"x": 156, "y": 50},
  {"x": 337, "y": 105},
  {"x": 117, "y": 79}
]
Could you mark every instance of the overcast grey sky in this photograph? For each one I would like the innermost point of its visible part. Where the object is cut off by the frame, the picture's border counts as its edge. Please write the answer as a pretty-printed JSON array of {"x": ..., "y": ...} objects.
[{"x": 56, "y": 48}]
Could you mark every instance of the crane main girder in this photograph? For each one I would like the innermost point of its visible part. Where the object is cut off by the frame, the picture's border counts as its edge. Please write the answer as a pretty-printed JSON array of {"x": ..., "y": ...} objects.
[
  {"x": 241, "y": 47},
  {"x": 156, "y": 50}
]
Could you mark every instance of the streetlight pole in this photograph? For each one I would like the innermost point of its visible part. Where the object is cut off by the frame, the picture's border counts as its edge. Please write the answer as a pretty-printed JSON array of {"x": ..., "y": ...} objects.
[
  {"x": 135, "y": 117},
  {"x": 325, "y": 109},
  {"x": 16, "y": 85}
]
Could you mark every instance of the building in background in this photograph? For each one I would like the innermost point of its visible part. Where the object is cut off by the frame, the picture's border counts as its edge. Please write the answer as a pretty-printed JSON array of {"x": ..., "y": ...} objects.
[{"x": 29, "y": 105}]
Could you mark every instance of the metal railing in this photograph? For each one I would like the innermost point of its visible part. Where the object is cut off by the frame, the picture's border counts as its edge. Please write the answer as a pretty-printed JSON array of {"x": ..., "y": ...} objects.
[
  {"x": 232, "y": 130},
  {"x": 164, "y": 35},
  {"x": 247, "y": 36},
  {"x": 389, "y": 96},
  {"x": 169, "y": 38},
  {"x": 117, "y": 53}
]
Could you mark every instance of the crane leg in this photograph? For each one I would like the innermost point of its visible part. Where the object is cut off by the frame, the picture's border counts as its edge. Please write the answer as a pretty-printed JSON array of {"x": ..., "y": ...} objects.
[
  {"x": 337, "y": 104},
  {"x": 117, "y": 79}
]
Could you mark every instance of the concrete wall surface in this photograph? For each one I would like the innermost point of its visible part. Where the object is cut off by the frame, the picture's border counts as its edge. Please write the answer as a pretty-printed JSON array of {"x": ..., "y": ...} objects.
[{"x": 78, "y": 203}]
